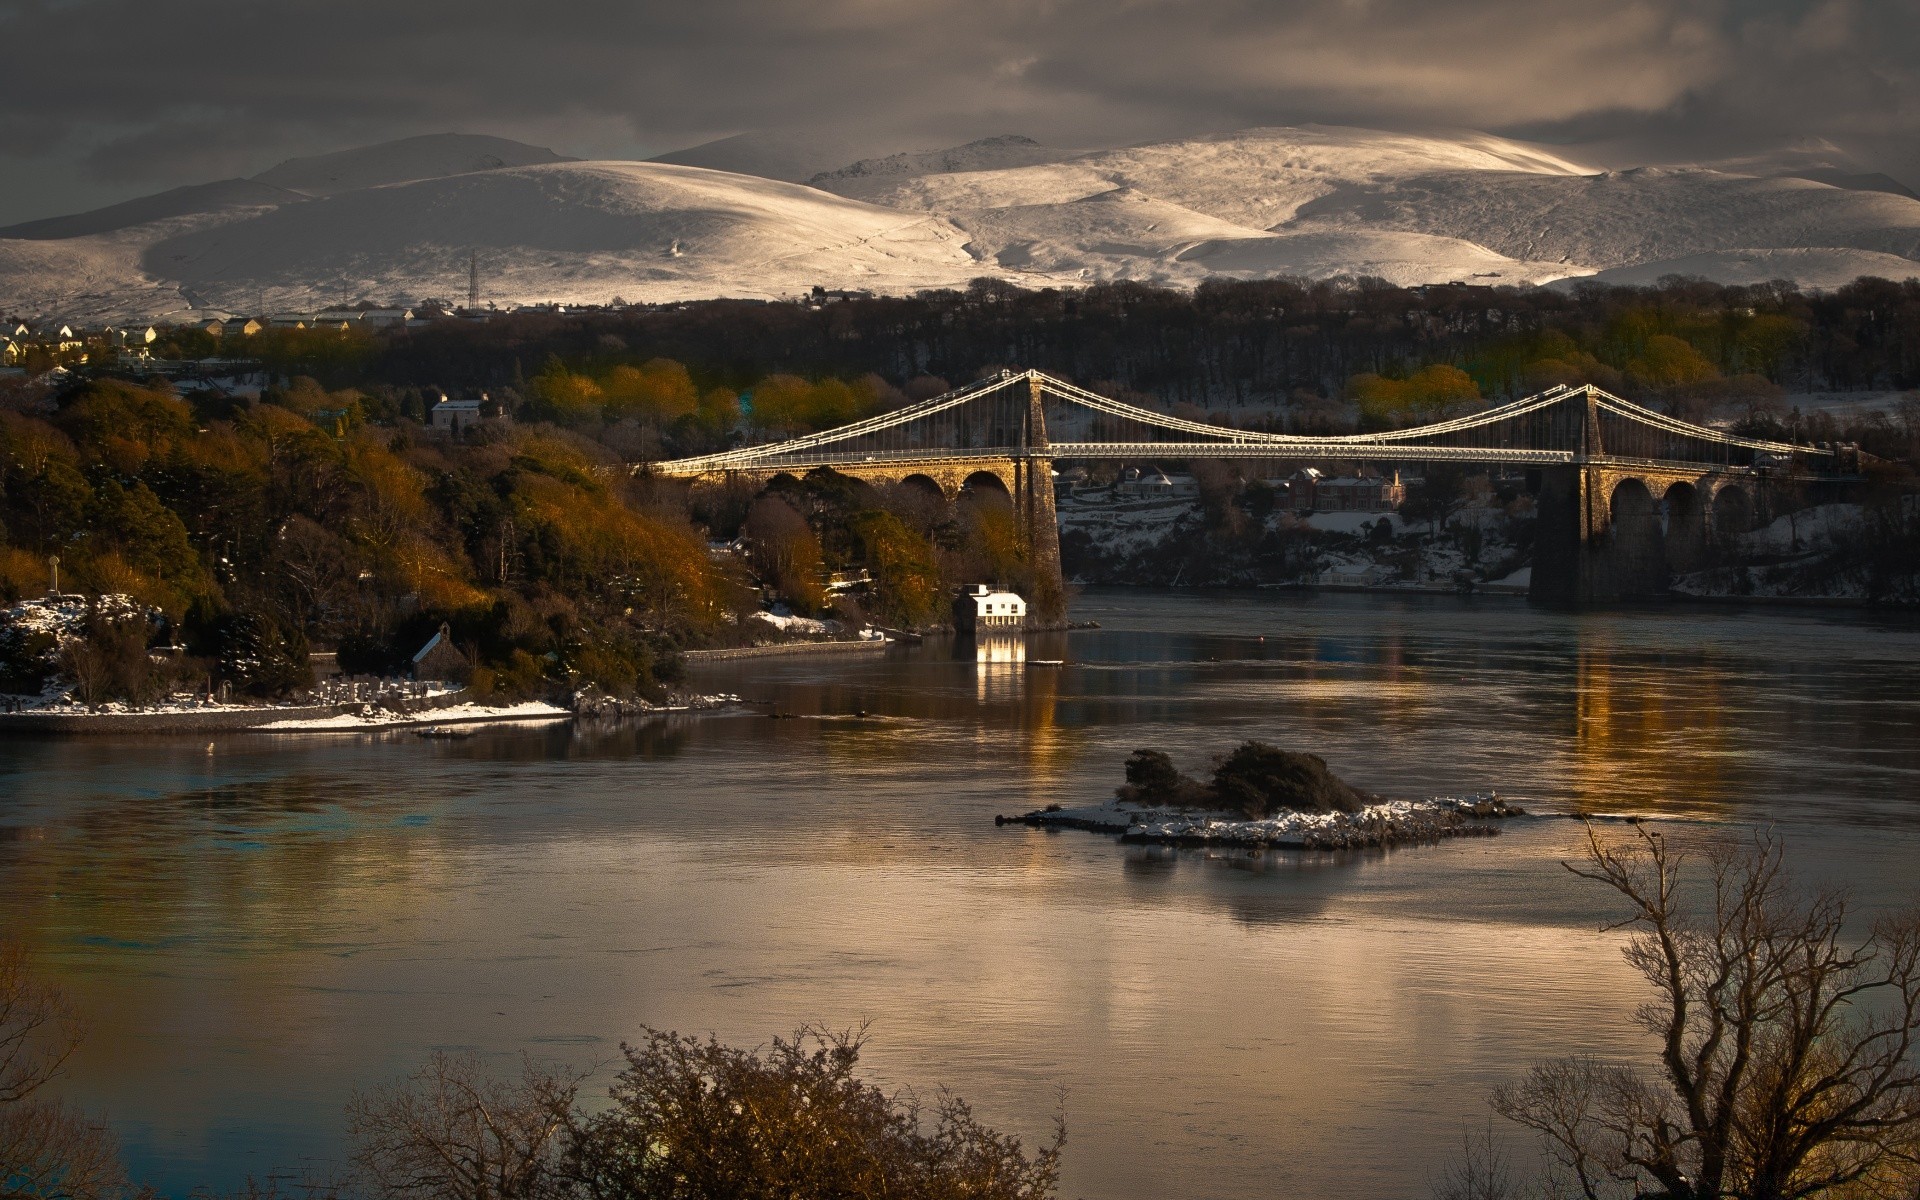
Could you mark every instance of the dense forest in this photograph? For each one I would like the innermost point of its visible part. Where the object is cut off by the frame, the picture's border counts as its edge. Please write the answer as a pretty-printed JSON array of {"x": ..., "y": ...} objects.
[
  {"x": 328, "y": 511},
  {"x": 1225, "y": 343}
]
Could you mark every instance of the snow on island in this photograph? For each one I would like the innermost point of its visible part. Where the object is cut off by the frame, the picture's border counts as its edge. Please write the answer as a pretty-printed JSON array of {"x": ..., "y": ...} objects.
[
  {"x": 1388, "y": 823},
  {"x": 1261, "y": 795}
]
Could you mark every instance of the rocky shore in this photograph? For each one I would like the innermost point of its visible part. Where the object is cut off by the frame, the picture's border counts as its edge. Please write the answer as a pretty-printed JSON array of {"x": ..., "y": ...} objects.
[{"x": 1389, "y": 823}]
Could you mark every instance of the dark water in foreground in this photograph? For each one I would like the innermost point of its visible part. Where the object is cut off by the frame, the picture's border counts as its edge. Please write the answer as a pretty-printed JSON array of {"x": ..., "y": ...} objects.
[{"x": 255, "y": 931}]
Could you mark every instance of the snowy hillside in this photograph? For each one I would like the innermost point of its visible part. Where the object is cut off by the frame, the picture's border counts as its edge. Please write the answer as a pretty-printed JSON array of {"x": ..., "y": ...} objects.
[
  {"x": 1815, "y": 267},
  {"x": 398, "y": 222},
  {"x": 586, "y": 231},
  {"x": 1256, "y": 177},
  {"x": 1619, "y": 218},
  {"x": 987, "y": 154},
  {"x": 788, "y": 158},
  {"x": 222, "y": 196},
  {"x": 428, "y": 157}
]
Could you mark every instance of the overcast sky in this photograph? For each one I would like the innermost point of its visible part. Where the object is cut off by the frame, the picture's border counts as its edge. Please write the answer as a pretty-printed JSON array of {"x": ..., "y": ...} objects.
[{"x": 108, "y": 99}]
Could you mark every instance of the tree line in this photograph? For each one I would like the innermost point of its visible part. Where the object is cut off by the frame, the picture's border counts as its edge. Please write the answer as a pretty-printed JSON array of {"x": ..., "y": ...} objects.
[{"x": 1227, "y": 342}]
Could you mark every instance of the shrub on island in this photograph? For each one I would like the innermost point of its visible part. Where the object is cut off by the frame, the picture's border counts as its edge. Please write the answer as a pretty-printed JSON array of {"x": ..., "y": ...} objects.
[{"x": 1256, "y": 780}]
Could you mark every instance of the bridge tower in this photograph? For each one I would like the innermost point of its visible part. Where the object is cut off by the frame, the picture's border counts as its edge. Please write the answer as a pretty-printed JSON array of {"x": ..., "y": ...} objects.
[
  {"x": 1033, "y": 502},
  {"x": 1609, "y": 528}
]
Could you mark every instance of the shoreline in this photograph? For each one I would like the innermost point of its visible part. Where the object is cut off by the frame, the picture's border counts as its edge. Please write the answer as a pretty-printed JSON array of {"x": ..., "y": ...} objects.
[
  {"x": 306, "y": 720},
  {"x": 779, "y": 649}
]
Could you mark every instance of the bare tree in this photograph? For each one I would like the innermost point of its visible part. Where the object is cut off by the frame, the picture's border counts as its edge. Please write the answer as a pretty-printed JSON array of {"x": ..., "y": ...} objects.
[
  {"x": 1785, "y": 1041},
  {"x": 453, "y": 1132},
  {"x": 47, "y": 1150},
  {"x": 1481, "y": 1172}
]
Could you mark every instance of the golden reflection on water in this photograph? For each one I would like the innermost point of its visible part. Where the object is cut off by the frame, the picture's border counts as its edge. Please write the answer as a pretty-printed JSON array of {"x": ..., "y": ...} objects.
[
  {"x": 1648, "y": 728},
  {"x": 302, "y": 918}
]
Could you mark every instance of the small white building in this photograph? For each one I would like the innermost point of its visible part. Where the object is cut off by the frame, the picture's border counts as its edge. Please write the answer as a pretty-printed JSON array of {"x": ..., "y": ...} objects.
[
  {"x": 457, "y": 415},
  {"x": 981, "y": 608}
]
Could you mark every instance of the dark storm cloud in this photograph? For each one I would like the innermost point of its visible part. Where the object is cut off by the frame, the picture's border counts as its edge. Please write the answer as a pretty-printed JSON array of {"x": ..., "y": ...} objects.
[{"x": 119, "y": 94}]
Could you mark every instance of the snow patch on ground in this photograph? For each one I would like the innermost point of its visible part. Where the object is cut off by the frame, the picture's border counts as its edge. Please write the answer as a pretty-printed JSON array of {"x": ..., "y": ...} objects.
[
  {"x": 789, "y": 624},
  {"x": 372, "y": 718}
]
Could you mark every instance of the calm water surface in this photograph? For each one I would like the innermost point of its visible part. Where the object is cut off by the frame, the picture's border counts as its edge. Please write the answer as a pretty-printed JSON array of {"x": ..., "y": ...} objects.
[{"x": 254, "y": 931}]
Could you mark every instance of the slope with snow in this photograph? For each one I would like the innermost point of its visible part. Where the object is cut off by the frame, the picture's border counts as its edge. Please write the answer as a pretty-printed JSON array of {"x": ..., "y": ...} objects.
[
  {"x": 1822, "y": 267},
  {"x": 986, "y": 154},
  {"x": 786, "y": 157},
  {"x": 222, "y": 196},
  {"x": 586, "y": 231},
  {"x": 430, "y": 156},
  {"x": 1255, "y": 177},
  {"x": 1123, "y": 234},
  {"x": 92, "y": 278},
  {"x": 1619, "y": 218}
]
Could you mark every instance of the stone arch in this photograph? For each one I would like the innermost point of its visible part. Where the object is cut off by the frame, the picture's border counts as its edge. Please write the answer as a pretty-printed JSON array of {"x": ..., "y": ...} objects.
[
  {"x": 1732, "y": 514},
  {"x": 1636, "y": 543},
  {"x": 920, "y": 481},
  {"x": 1685, "y": 518},
  {"x": 987, "y": 486}
]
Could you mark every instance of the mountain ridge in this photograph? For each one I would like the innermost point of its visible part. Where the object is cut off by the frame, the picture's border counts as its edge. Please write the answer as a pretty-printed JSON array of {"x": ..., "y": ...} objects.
[{"x": 400, "y": 221}]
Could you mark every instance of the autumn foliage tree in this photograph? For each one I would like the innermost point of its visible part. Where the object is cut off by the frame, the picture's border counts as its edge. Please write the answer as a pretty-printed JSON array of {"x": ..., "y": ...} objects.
[{"x": 785, "y": 551}]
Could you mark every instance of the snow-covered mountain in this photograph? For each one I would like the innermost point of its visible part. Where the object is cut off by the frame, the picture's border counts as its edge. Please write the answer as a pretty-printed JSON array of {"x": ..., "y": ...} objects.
[
  {"x": 398, "y": 222},
  {"x": 428, "y": 157}
]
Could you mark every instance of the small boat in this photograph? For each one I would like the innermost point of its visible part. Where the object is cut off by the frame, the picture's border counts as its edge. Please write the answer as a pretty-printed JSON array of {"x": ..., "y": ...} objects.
[
  {"x": 444, "y": 731},
  {"x": 1046, "y": 662}
]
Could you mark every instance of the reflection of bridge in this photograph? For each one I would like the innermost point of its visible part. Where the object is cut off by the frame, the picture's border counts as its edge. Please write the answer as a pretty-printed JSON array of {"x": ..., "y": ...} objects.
[{"x": 1625, "y": 494}]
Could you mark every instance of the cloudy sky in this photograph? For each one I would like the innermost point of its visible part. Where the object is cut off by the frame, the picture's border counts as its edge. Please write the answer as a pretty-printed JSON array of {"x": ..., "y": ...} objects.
[{"x": 108, "y": 99}]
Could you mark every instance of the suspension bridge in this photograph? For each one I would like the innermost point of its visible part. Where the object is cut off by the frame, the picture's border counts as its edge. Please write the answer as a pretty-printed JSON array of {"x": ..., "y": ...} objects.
[{"x": 1625, "y": 495}]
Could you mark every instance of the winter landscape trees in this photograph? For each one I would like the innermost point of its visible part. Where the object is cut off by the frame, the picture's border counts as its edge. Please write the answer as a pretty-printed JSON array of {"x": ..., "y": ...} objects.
[{"x": 1782, "y": 1025}]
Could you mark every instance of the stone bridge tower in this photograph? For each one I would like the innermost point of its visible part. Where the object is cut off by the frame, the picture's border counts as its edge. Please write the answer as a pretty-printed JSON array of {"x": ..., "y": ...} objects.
[
  {"x": 1033, "y": 502},
  {"x": 1609, "y": 530}
]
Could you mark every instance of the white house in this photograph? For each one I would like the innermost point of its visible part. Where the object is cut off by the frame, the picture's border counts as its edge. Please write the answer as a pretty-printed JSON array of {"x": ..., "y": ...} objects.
[
  {"x": 457, "y": 415},
  {"x": 982, "y": 608},
  {"x": 1153, "y": 485}
]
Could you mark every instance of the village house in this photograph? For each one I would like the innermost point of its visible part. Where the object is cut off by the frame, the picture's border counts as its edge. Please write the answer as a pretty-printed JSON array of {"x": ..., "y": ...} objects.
[
  {"x": 458, "y": 416},
  {"x": 1366, "y": 491},
  {"x": 982, "y": 608},
  {"x": 1153, "y": 485}
]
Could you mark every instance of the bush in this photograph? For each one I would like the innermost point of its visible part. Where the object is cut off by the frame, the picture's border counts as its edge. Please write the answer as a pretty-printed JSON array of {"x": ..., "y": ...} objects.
[
  {"x": 1255, "y": 781},
  {"x": 693, "y": 1120},
  {"x": 689, "y": 1120},
  {"x": 1258, "y": 780},
  {"x": 1153, "y": 779}
]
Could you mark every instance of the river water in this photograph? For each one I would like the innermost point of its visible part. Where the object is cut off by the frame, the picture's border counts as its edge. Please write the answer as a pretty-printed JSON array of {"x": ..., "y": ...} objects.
[{"x": 255, "y": 929}]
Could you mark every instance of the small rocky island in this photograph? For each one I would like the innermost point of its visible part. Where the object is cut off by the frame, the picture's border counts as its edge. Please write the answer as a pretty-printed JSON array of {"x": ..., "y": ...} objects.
[{"x": 1262, "y": 796}]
